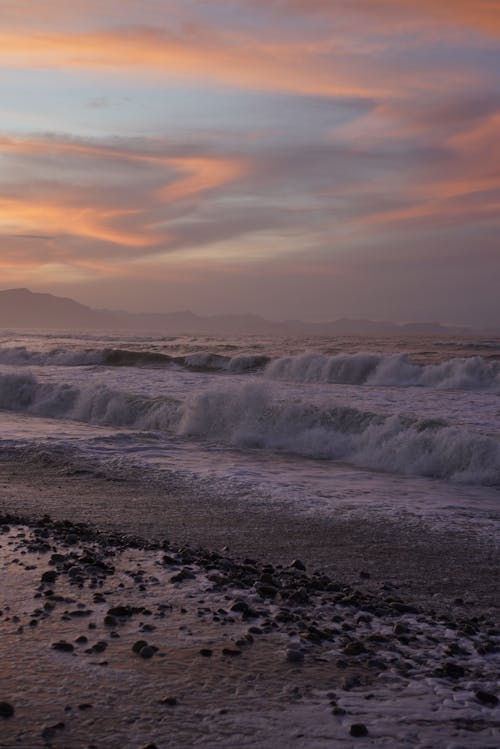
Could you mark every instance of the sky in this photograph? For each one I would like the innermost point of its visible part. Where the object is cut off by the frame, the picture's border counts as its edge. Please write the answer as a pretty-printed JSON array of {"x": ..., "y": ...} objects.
[{"x": 295, "y": 158}]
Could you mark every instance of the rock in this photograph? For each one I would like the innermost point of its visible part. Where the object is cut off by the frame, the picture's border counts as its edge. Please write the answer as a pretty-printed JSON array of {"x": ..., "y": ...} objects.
[
  {"x": 206, "y": 652},
  {"x": 137, "y": 646},
  {"x": 63, "y": 646},
  {"x": 266, "y": 591},
  {"x": 294, "y": 655},
  {"x": 298, "y": 565},
  {"x": 231, "y": 651},
  {"x": 354, "y": 648},
  {"x": 6, "y": 710},
  {"x": 170, "y": 701},
  {"x": 358, "y": 730},
  {"x": 336, "y": 710},
  {"x": 122, "y": 612},
  {"x": 148, "y": 651},
  {"x": 48, "y": 732},
  {"x": 240, "y": 606},
  {"x": 487, "y": 698},
  {"x": 49, "y": 577},
  {"x": 184, "y": 574},
  {"x": 453, "y": 671}
]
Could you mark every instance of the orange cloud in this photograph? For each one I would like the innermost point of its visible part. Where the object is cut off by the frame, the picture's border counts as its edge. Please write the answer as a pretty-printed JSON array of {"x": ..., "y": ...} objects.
[
  {"x": 67, "y": 212},
  {"x": 63, "y": 217},
  {"x": 237, "y": 60}
]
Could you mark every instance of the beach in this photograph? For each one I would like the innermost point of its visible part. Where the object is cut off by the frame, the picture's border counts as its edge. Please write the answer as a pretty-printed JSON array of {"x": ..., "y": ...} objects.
[
  {"x": 248, "y": 541},
  {"x": 134, "y": 619}
]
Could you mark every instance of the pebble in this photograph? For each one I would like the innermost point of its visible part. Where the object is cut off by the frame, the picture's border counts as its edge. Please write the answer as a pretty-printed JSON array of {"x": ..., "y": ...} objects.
[
  {"x": 487, "y": 698},
  {"x": 148, "y": 651},
  {"x": 63, "y": 646},
  {"x": 358, "y": 730},
  {"x": 6, "y": 710},
  {"x": 294, "y": 655},
  {"x": 170, "y": 701}
]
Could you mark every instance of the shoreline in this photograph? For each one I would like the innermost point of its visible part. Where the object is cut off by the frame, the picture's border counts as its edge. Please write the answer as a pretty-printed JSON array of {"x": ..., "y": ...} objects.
[{"x": 434, "y": 565}]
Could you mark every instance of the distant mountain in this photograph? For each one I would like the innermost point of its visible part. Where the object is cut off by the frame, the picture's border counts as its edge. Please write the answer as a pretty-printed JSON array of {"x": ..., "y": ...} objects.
[{"x": 21, "y": 308}]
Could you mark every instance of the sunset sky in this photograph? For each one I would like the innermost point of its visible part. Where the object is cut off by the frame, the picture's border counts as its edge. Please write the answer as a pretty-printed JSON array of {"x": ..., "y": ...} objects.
[{"x": 305, "y": 158}]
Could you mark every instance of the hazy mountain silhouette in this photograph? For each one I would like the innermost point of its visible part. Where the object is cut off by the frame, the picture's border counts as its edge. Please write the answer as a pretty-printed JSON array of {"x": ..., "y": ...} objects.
[{"x": 21, "y": 308}]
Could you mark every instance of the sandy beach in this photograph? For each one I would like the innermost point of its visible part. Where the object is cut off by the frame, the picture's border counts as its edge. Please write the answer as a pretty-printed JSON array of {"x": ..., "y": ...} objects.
[{"x": 137, "y": 617}]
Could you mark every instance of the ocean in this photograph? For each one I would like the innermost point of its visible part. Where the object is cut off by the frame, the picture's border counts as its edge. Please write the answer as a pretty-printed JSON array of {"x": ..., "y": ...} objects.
[{"x": 391, "y": 425}]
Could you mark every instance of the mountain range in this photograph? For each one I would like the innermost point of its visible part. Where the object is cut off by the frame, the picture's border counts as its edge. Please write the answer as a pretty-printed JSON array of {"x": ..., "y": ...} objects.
[{"x": 24, "y": 309}]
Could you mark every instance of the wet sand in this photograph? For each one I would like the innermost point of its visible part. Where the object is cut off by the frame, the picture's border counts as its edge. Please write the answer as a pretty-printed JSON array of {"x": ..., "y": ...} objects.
[
  {"x": 165, "y": 622},
  {"x": 432, "y": 564}
]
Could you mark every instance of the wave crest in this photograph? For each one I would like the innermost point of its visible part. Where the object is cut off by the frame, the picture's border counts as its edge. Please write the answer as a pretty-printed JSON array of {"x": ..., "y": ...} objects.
[{"x": 470, "y": 373}]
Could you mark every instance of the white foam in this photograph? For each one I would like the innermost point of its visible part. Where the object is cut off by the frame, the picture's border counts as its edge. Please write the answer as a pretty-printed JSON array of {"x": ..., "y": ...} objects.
[
  {"x": 395, "y": 370},
  {"x": 254, "y": 415}
]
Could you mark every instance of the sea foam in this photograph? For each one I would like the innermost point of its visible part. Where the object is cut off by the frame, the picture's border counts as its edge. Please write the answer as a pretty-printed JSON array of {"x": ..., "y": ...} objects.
[{"x": 255, "y": 416}]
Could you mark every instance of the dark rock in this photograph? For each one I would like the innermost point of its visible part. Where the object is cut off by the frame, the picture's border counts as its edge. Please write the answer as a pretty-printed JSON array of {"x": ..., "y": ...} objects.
[
  {"x": 63, "y": 646},
  {"x": 231, "y": 651},
  {"x": 298, "y": 565},
  {"x": 487, "y": 698},
  {"x": 122, "y": 612},
  {"x": 184, "y": 574},
  {"x": 266, "y": 591},
  {"x": 137, "y": 646},
  {"x": 84, "y": 706},
  {"x": 49, "y": 577},
  {"x": 354, "y": 648},
  {"x": 453, "y": 671},
  {"x": 240, "y": 606},
  {"x": 206, "y": 652},
  {"x": 148, "y": 651},
  {"x": 358, "y": 730},
  {"x": 6, "y": 710},
  {"x": 170, "y": 701},
  {"x": 294, "y": 655},
  {"x": 48, "y": 732}
]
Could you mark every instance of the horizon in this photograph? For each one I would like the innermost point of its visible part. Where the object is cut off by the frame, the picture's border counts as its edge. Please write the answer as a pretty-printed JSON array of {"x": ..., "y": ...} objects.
[
  {"x": 314, "y": 160},
  {"x": 249, "y": 315}
]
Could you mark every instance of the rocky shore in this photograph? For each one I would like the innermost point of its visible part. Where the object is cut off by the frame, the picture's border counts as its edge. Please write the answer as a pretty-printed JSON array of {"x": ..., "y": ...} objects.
[{"x": 111, "y": 640}]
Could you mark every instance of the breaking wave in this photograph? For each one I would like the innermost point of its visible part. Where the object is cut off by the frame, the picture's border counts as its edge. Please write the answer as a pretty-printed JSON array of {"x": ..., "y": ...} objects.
[
  {"x": 470, "y": 373},
  {"x": 251, "y": 416},
  {"x": 114, "y": 357}
]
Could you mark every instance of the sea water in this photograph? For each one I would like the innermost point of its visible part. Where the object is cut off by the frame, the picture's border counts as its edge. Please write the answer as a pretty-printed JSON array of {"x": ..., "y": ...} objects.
[{"x": 393, "y": 425}]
